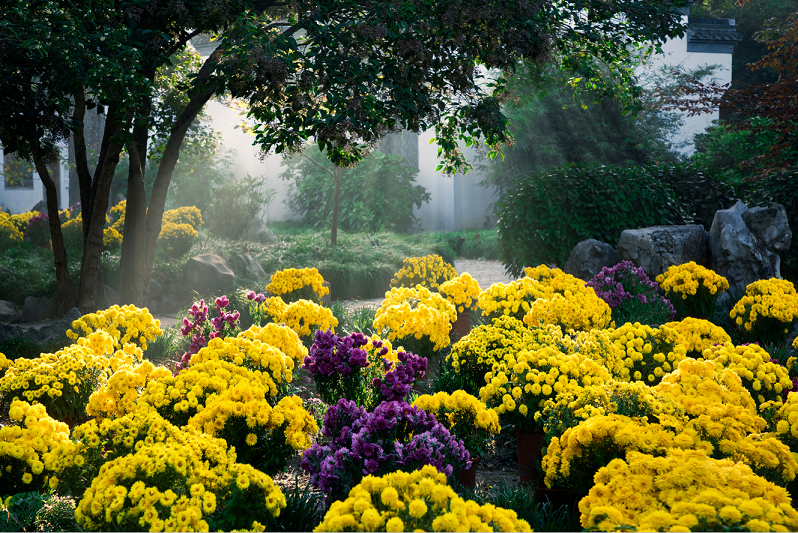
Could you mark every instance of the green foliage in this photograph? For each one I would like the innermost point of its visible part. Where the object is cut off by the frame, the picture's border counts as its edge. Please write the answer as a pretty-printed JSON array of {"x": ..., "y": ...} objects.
[
  {"x": 697, "y": 187},
  {"x": 167, "y": 348},
  {"x": 544, "y": 218},
  {"x": 29, "y": 348},
  {"x": 448, "y": 380},
  {"x": 57, "y": 514},
  {"x": 554, "y": 124},
  {"x": 304, "y": 510},
  {"x": 20, "y": 513},
  {"x": 723, "y": 147},
  {"x": 780, "y": 187},
  {"x": 376, "y": 195},
  {"x": 358, "y": 319}
]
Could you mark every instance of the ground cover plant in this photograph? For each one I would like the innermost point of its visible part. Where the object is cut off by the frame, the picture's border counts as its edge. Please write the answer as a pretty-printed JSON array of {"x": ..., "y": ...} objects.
[{"x": 229, "y": 411}]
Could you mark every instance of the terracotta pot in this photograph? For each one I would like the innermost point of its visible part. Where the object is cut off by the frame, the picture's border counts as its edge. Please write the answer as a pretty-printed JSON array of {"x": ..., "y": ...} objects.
[
  {"x": 560, "y": 497},
  {"x": 468, "y": 478},
  {"x": 461, "y": 326},
  {"x": 531, "y": 446}
]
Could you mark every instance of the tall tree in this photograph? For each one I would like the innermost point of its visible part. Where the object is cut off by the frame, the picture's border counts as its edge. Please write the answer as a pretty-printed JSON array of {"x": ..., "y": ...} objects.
[{"x": 343, "y": 72}]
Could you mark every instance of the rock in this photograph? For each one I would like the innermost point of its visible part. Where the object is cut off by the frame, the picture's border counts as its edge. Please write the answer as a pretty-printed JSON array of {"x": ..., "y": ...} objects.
[
  {"x": 256, "y": 231},
  {"x": 56, "y": 330},
  {"x": 209, "y": 274},
  {"x": 245, "y": 267},
  {"x": 8, "y": 312},
  {"x": 589, "y": 257},
  {"x": 770, "y": 225},
  {"x": 658, "y": 247},
  {"x": 9, "y": 332},
  {"x": 38, "y": 309},
  {"x": 41, "y": 206},
  {"x": 742, "y": 253}
]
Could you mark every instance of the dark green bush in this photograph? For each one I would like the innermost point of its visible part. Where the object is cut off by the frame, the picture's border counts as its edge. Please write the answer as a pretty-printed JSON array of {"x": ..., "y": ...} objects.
[
  {"x": 780, "y": 187},
  {"x": 698, "y": 188},
  {"x": 376, "y": 195},
  {"x": 549, "y": 212}
]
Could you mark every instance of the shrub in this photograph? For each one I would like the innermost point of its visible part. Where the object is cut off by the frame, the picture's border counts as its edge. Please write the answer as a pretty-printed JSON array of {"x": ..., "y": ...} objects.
[
  {"x": 378, "y": 194},
  {"x": 697, "y": 187},
  {"x": 235, "y": 203},
  {"x": 184, "y": 215},
  {"x": 429, "y": 271},
  {"x": 176, "y": 240},
  {"x": 544, "y": 218},
  {"x": 9, "y": 234},
  {"x": 38, "y": 229},
  {"x": 631, "y": 295}
]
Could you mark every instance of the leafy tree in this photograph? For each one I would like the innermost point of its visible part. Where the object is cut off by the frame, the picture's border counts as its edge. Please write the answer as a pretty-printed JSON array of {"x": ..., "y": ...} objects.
[{"x": 344, "y": 72}]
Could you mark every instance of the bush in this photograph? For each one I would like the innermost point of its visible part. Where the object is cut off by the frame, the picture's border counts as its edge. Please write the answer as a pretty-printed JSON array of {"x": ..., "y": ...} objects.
[
  {"x": 378, "y": 194},
  {"x": 176, "y": 240},
  {"x": 781, "y": 187},
  {"x": 698, "y": 188},
  {"x": 235, "y": 203},
  {"x": 550, "y": 212}
]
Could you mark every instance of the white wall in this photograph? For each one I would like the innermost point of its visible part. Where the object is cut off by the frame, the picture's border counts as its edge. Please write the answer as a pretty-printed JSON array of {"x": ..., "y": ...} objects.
[
  {"x": 21, "y": 200},
  {"x": 675, "y": 54}
]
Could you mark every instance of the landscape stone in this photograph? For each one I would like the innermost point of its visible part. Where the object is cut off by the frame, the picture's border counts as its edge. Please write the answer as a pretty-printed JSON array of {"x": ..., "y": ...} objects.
[
  {"x": 37, "y": 309},
  {"x": 209, "y": 274},
  {"x": 57, "y": 330},
  {"x": 589, "y": 257},
  {"x": 245, "y": 267},
  {"x": 658, "y": 247},
  {"x": 256, "y": 231},
  {"x": 744, "y": 253},
  {"x": 8, "y": 311},
  {"x": 9, "y": 332}
]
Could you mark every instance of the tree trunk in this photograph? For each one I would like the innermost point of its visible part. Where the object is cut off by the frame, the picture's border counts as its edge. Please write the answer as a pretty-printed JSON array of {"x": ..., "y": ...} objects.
[
  {"x": 92, "y": 287},
  {"x": 134, "y": 242},
  {"x": 336, "y": 206},
  {"x": 66, "y": 289}
]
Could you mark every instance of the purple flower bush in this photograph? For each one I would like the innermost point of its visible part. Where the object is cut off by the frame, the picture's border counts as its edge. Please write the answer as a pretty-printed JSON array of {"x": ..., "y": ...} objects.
[
  {"x": 354, "y": 367},
  {"x": 201, "y": 329},
  {"x": 396, "y": 436},
  {"x": 631, "y": 295}
]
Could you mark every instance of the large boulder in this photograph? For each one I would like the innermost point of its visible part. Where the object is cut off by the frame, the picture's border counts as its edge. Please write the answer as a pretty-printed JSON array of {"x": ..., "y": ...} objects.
[
  {"x": 744, "y": 243},
  {"x": 57, "y": 330},
  {"x": 256, "y": 231},
  {"x": 8, "y": 312},
  {"x": 589, "y": 257},
  {"x": 208, "y": 274},
  {"x": 245, "y": 267},
  {"x": 37, "y": 309},
  {"x": 658, "y": 247}
]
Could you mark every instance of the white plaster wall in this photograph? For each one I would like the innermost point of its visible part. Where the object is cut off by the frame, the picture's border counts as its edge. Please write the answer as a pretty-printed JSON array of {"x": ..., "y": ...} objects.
[
  {"x": 21, "y": 200},
  {"x": 675, "y": 54}
]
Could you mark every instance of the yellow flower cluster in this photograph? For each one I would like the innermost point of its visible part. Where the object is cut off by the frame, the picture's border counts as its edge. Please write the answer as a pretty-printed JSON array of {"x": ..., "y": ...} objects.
[
  {"x": 582, "y": 311},
  {"x": 5, "y": 364},
  {"x": 465, "y": 416},
  {"x": 524, "y": 381},
  {"x": 416, "y": 313},
  {"x": 767, "y": 310},
  {"x": 167, "y": 487},
  {"x": 763, "y": 378},
  {"x": 418, "y": 501},
  {"x": 305, "y": 317},
  {"x": 274, "y": 307},
  {"x": 696, "y": 335},
  {"x": 430, "y": 271},
  {"x": 63, "y": 381},
  {"x": 633, "y": 399},
  {"x": 125, "y": 324},
  {"x": 542, "y": 273},
  {"x": 462, "y": 292},
  {"x": 21, "y": 220},
  {"x": 176, "y": 240},
  {"x": 118, "y": 214},
  {"x": 190, "y": 215},
  {"x": 290, "y": 281},
  {"x": 684, "y": 491},
  {"x": 238, "y": 402},
  {"x": 514, "y": 298},
  {"x": 716, "y": 403},
  {"x": 786, "y": 422},
  {"x": 572, "y": 459},
  {"x": 691, "y": 279},
  {"x": 649, "y": 353},
  {"x": 112, "y": 239},
  {"x": 178, "y": 398},
  {"x": 129, "y": 376},
  {"x": 8, "y": 230},
  {"x": 251, "y": 354},
  {"x": 25, "y": 446},
  {"x": 477, "y": 352},
  {"x": 281, "y": 337}
]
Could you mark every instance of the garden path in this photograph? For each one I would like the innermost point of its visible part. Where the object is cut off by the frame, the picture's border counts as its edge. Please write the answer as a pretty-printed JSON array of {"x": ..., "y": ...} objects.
[{"x": 486, "y": 272}]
